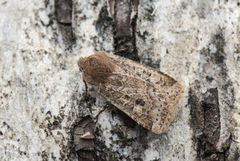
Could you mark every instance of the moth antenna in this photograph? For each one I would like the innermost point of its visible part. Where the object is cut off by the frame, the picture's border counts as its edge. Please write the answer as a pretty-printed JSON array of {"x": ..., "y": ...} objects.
[{"x": 86, "y": 87}]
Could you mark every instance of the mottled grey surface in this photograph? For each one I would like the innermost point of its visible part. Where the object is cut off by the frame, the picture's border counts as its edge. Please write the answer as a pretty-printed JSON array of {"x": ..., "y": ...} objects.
[{"x": 41, "y": 88}]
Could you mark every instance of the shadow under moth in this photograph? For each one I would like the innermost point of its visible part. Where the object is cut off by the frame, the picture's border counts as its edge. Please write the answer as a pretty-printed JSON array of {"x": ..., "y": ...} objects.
[{"x": 145, "y": 94}]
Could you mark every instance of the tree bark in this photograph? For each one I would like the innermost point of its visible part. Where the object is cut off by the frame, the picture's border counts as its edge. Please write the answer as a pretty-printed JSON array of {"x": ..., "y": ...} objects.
[{"x": 43, "y": 115}]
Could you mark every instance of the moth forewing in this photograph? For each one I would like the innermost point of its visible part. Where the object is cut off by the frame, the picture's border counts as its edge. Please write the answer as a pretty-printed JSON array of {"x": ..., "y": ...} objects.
[{"x": 147, "y": 95}]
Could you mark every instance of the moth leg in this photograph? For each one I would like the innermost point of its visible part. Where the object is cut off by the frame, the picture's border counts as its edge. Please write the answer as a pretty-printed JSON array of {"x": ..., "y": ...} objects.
[{"x": 86, "y": 89}]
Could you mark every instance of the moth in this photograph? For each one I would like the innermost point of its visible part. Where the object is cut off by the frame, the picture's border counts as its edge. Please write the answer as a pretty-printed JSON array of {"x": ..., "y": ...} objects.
[{"x": 145, "y": 94}]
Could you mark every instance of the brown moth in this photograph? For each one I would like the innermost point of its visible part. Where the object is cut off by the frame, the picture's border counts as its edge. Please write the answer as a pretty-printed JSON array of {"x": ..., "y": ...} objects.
[{"x": 147, "y": 95}]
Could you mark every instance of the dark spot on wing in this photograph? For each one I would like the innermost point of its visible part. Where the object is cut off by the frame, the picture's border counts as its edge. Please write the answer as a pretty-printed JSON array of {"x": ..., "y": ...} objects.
[
  {"x": 140, "y": 102},
  {"x": 126, "y": 97}
]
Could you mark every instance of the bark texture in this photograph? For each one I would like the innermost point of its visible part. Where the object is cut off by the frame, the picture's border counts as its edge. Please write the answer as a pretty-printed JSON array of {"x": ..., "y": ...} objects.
[{"x": 43, "y": 115}]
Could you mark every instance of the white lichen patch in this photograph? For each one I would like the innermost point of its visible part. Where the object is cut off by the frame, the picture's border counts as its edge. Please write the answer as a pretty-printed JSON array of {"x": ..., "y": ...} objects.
[{"x": 106, "y": 121}]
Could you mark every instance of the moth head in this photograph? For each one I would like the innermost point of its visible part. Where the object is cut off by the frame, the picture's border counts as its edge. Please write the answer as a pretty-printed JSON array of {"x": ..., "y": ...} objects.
[
  {"x": 96, "y": 68},
  {"x": 80, "y": 63}
]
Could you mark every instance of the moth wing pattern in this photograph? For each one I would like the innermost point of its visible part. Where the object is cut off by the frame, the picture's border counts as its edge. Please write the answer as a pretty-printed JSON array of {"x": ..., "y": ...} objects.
[{"x": 147, "y": 95}]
